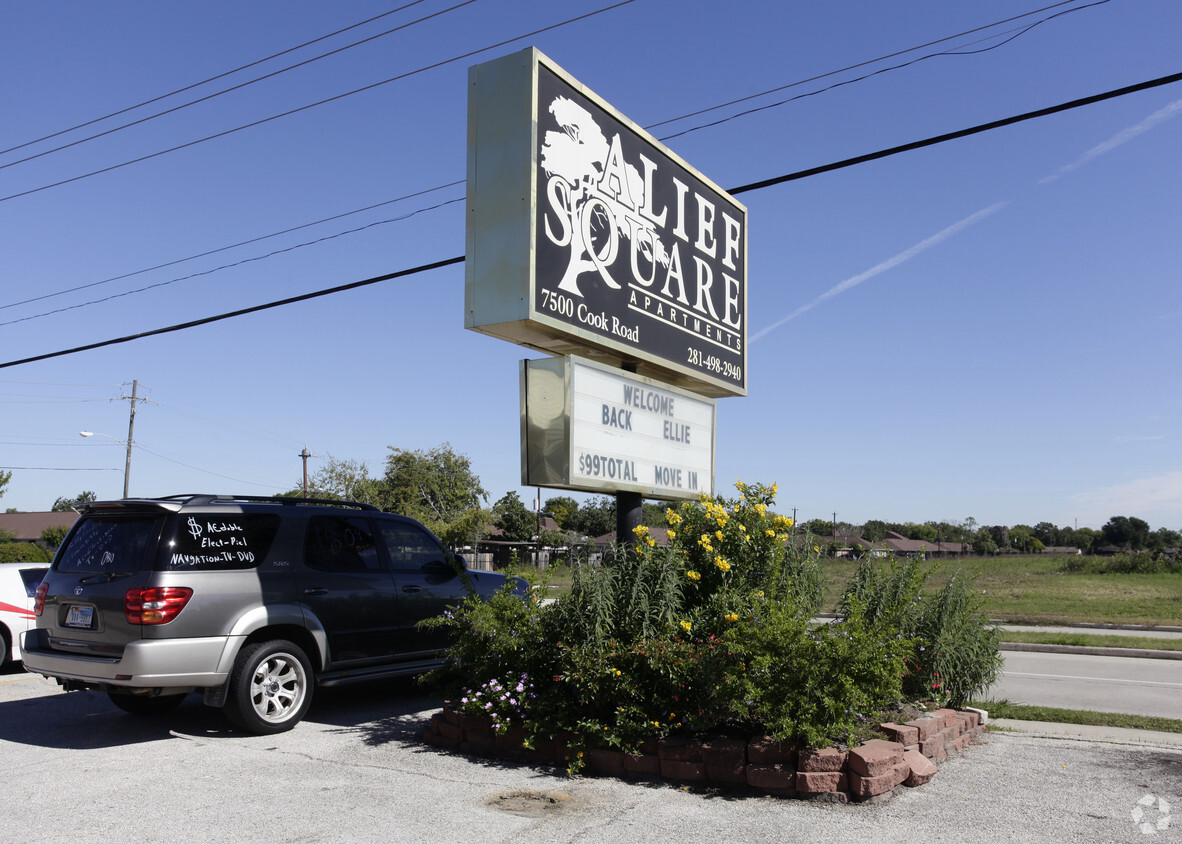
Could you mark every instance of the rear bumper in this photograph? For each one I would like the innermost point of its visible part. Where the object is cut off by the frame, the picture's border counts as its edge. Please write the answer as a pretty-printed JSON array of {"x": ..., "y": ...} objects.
[{"x": 153, "y": 663}]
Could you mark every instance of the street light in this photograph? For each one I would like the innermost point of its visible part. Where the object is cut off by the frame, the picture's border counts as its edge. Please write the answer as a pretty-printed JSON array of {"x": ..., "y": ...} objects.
[{"x": 126, "y": 466}]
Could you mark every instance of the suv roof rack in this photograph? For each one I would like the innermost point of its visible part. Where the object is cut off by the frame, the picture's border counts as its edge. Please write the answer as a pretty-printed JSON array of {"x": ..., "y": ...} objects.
[{"x": 266, "y": 499}]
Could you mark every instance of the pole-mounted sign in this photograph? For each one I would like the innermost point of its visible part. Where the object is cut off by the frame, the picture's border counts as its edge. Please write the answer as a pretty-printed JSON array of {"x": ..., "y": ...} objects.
[
  {"x": 591, "y": 427},
  {"x": 585, "y": 235}
]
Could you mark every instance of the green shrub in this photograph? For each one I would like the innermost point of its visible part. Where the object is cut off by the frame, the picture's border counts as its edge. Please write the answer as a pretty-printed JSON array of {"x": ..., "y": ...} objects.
[
  {"x": 714, "y": 632},
  {"x": 958, "y": 654},
  {"x": 1135, "y": 562},
  {"x": 23, "y": 552}
]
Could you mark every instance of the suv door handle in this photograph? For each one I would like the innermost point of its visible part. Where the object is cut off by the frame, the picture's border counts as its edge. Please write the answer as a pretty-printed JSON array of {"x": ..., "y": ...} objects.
[
  {"x": 410, "y": 587},
  {"x": 315, "y": 590}
]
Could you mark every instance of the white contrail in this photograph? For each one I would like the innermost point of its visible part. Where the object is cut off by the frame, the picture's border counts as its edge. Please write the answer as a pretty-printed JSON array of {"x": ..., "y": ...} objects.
[
  {"x": 1122, "y": 137},
  {"x": 888, "y": 264}
]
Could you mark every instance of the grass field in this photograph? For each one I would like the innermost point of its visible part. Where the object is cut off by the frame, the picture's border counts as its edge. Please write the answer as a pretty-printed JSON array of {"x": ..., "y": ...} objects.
[
  {"x": 1091, "y": 640},
  {"x": 1034, "y": 590},
  {"x": 1005, "y": 709},
  {"x": 1029, "y": 590}
]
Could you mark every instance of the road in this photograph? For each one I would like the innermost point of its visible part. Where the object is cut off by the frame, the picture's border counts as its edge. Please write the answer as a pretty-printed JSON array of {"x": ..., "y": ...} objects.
[
  {"x": 1098, "y": 683},
  {"x": 78, "y": 770}
]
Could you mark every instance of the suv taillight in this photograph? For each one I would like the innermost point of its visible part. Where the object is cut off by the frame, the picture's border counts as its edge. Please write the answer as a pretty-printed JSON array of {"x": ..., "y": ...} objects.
[
  {"x": 39, "y": 600},
  {"x": 158, "y": 605}
]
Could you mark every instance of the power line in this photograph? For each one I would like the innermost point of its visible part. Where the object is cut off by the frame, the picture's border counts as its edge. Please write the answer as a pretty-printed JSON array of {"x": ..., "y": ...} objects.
[
  {"x": 222, "y": 75},
  {"x": 255, "y": 309},
  {"x": 238, "y": 87},
  {"x": 455, "y": 183},
  {"x": 962, "y": 133},
  {"x": 866, "y": 63},
  {"x": 240, "y": 263},
  {"x": 233, "y": 245},
  {"x": 800, "y": 174},
  {"x": 325, "y": 101},
  {"x": 954, "y": 52}
]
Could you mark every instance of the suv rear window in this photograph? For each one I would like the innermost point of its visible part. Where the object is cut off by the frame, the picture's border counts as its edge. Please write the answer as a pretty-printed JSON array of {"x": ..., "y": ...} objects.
[
  {"x": 216, "y": 541},
  {"x": 114, "y": 544}
]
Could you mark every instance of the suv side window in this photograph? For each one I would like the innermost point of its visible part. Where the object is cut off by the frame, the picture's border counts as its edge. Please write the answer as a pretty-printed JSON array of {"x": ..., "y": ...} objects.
[
  {"x": 218, "y": 541},
  {"x": 410, "y": 548},
  {"x": 341, "y": 543}
]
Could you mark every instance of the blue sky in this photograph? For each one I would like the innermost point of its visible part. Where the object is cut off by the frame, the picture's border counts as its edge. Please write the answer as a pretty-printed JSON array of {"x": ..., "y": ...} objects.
[{"x": 984, "y": 328}]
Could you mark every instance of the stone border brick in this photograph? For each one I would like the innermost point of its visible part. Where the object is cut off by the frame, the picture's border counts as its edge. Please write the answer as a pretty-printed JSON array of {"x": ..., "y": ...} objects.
[{"x": 907, "y": 755}]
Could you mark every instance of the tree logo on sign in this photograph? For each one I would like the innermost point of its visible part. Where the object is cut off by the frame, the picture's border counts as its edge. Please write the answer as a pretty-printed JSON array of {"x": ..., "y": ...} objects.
[{"x": 595, "y": 199}]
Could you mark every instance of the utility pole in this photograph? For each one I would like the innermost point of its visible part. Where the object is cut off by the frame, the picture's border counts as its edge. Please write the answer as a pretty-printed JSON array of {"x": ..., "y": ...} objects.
[
  {"x": 130, "y": 430},
  {"x": 305, "y": 454},
  {"x": 133, "y": 398}
]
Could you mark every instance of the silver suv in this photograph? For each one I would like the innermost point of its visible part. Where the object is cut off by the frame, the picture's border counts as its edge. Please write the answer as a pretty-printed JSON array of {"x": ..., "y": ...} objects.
[{"x": 251, "y": 601}]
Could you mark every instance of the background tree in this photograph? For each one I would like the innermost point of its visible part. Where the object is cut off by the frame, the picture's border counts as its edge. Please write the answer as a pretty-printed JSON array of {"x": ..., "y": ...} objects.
[
  {"x": 516, "y": 522},
  {"x": 924, "y": 533},
  {"x": 983, "y": 542},
  {"x": 439, "y": 488},
  {"x": 1048, "y": 534},
  {"x": 654, "y": 514},
  {"x": 1126, "y": 532},
  {"x": 596, "y": 516},
  {"x": 874, "y": 530},
  {"x": 1001, "y": 536},
  {"x": 342, "y": 480},
  {"x": 561, "y": 509},
  {"x": 1164, "y": 538},
  {"x": 5, "y": 477},
  {"x": 1023, "y": 539},
  {"x": 65, "y": 505},
  {"x": 819, "y": 527}
]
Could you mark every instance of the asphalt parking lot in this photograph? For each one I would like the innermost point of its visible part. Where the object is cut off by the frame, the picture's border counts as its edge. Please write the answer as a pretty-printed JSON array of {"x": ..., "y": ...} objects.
[{"x": 77, "y": 769}]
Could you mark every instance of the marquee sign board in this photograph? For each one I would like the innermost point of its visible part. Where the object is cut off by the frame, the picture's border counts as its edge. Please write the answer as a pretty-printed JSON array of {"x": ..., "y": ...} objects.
[
  {"x": 590, "y": 427},
  {"x": 585, "y": 235}
]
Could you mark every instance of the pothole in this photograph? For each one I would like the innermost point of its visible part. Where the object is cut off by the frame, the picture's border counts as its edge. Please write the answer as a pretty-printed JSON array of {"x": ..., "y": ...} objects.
[{"x": 533, "y": 804}]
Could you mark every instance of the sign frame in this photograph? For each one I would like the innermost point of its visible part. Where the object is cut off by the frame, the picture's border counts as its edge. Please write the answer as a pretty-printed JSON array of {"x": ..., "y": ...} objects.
[
  {"x": 557, "y": 402},
  {"x": 670, "y": 303}
]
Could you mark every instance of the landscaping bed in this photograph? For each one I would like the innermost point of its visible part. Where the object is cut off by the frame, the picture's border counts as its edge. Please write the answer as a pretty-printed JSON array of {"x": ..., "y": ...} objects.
[
  {"x": 907, "y": 755},
  {"x": 714, "y": 635}
]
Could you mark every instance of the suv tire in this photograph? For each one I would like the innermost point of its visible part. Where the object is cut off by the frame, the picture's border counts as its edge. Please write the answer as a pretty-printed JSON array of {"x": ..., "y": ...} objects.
[
  {"x": 145, "y": 704},
  {"x": 270, "y": 687}
]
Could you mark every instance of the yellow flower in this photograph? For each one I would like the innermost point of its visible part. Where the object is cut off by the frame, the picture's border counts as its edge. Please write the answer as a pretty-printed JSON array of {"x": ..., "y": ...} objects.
[
  {"x": 671, "y": 534},
  {"x": 672, "y": 516},
  {"x": 718, "y": 535},
  {"x": 640, "y": 530},
  {"x": 769, "y": 532},
  {"x": 731, "y": 617},
  {"x": 651, "y": 542},
  {"x": 775, "y": 488},
  {"x": 816, "y": 550},
  {"x": 686, "y": 626},
  {"x": 693, "y": 575},
  {"x": 722, "y": 564}
]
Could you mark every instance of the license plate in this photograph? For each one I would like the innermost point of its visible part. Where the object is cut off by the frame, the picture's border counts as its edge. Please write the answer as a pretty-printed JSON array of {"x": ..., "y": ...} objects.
[{"x": 79, "y": 617}]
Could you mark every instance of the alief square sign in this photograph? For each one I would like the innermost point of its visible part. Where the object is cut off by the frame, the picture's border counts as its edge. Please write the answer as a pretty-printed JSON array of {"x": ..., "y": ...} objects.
[{"x": 585, "y": 235}]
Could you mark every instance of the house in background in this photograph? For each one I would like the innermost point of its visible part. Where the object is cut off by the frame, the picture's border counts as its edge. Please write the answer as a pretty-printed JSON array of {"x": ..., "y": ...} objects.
[{"x": 28, "y": 527}]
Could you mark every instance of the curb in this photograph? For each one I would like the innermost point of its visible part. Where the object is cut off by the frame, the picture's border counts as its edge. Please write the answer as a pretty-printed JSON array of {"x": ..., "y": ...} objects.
[
  {"x": 1142, "y": 653},
  {"x": 1084, "y": 732},
  {"x": 1092, "y": 625}
]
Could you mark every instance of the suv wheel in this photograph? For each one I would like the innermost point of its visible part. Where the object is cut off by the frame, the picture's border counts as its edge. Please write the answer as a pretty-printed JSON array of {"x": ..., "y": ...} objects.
[
  {"x": 270, "y": 687},
  {"x": 145, "y": 704}
]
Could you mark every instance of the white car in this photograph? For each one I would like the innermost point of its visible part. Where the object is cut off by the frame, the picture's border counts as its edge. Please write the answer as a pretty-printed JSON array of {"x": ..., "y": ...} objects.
[{"x": 18, "y": 585}]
